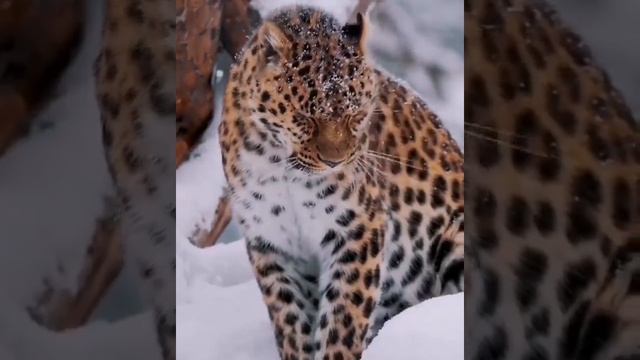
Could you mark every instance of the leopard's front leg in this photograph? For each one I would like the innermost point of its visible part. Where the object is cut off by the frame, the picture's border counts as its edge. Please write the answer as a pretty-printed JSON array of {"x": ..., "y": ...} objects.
[
  {"x": 350, "y": 291},
  {"x": 290, "y": 295}
]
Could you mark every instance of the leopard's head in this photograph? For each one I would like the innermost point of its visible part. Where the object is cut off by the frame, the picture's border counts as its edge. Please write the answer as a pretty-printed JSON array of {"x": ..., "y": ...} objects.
[{"x": 310, "y": 85}]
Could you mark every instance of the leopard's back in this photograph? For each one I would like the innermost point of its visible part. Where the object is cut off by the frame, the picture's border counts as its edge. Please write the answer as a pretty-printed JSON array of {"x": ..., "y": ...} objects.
[{"x": 553, "y": 162}]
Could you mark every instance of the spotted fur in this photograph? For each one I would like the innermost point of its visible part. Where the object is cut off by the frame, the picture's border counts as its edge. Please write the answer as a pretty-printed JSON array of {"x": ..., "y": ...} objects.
[
  {"x": 553, "y": 162},
  {"x": 348, "y": 189},
  {"x": 135, "y": 85}
]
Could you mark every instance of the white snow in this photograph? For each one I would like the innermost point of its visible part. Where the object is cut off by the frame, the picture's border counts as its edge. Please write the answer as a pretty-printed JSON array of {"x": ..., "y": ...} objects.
[
  {"x": 431, "y": 330},
  {"x": 129, "y": 339},
  {"x": 237, "y": 327},
  {"x": 341, "y": 9}
]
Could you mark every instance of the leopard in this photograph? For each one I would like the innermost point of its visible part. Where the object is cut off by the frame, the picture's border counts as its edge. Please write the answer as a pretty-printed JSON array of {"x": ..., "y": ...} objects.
[
  {"x": 347, "y": 188},
  {"x": 135, "y": 84},
  {"x": 553, "y": 180}
]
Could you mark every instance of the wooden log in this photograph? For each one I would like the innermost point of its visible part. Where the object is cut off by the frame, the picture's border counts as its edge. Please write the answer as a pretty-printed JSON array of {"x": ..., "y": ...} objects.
[{"x": 198, "y": 31}]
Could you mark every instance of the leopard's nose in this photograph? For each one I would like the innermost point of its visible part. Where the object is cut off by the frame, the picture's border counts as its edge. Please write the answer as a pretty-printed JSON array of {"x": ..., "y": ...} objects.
[{"x": 330, "y": 163}]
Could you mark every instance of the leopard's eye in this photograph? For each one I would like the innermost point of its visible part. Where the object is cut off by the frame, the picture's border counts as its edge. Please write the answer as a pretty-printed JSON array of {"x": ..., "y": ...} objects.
[{"x": 352, "y": 124}]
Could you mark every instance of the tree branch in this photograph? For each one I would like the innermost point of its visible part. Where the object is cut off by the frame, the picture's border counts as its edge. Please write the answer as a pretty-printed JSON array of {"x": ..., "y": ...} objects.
[{"x": 221, "y": 220}]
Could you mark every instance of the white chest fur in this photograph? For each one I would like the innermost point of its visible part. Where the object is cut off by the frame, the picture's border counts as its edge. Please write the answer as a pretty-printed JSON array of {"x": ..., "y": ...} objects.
[
  {"x": 289, "y": 213},
  {"x": 289, "y": 210}
]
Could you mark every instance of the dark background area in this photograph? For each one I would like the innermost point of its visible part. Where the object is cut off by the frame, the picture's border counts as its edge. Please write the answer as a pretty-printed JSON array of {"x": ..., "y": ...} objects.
[{"x": 610, "y": 28}]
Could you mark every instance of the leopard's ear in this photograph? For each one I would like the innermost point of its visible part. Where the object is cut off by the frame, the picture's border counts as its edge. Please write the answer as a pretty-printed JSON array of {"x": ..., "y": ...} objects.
[
  {"x": 276, "y": 45},
  {"x": 355, "y": 32}
]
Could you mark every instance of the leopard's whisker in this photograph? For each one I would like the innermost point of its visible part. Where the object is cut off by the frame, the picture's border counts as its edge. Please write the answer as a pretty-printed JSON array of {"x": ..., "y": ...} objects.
[
  {"x": 401, "y": 161},
  {"x": 365, "y": 167},
  {"x": 384, "y": 154},
  {"x": 372, "y": 166},
  {"x": 509, "y": 145},
  {"x": 377, "y": 169},
  {"x": 494, "y": 130}
]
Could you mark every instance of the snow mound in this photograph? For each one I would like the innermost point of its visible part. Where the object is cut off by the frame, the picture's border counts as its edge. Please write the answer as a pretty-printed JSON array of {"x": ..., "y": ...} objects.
[
  {"x": 433, "y": 329},
  {"x": 224, "y": 318},
  {"x": 129, "y": 339},
  {"x": 341, "y": 9}
]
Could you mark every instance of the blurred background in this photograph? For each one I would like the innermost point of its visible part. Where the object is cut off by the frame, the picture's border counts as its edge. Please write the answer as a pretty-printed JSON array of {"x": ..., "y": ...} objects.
[{"x": 610, "y": 28}]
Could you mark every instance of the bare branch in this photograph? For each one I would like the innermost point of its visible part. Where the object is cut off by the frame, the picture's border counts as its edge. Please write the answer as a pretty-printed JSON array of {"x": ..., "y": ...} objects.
[
  {"x": 221, "y": 220},
  {"x": 105, "y": 263}
]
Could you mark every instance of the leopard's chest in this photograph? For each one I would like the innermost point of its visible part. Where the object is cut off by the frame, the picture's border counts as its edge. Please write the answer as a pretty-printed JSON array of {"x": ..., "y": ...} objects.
[{"x": 292, "y": 214}]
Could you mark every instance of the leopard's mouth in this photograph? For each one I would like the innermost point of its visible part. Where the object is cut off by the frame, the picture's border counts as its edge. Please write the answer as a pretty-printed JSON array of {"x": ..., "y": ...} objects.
[
  {"x": 321, "y": 167},
  {"x": 297, "y": 163}
]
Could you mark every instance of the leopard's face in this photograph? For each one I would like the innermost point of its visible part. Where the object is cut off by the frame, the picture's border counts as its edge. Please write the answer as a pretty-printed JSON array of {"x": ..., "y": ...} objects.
[{"x": 313, "y": 96}]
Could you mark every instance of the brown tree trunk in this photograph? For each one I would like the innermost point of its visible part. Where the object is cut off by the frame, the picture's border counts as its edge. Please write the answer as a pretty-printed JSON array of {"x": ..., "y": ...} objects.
[
  {"x": 198, "y": 31},
  {"x": 239, "y": 20},
  {"x": 37, "y": 40}
]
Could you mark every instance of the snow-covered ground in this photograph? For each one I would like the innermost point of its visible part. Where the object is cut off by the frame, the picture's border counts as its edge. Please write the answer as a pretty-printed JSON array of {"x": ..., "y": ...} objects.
[{"x": 222, "y": 317}]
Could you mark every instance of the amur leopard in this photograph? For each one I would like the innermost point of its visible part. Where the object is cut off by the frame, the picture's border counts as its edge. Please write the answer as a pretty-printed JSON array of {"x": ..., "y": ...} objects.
[
  {"x": 553, "y": 179},
  {"x": 348, "y": 189},
  {"x": 135, "y": 76}
]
